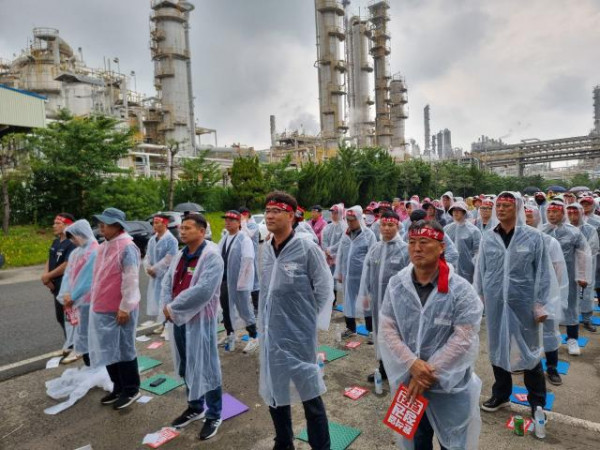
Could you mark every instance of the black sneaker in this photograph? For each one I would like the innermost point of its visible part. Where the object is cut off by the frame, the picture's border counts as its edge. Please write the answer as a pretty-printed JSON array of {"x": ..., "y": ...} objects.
[
  {"x": 553, "y": 376},
  {"x": 188, "y": 416},
  {"x": 209, "y": 429},
  {"x": 588, "y": 326},
  {"x": 126, "y": 400},
  {"x": 494, "y": 404},
  {"x": 348, "y": 334},
  {"x": 110, "y": 398}
]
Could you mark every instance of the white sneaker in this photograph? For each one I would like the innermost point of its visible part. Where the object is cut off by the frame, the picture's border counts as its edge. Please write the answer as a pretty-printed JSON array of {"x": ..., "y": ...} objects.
[
  {"x": 230, "y": 344},
  {"x": 251, "y": 346},
  {"x": 573, "y": 347},
  {"x": 164, "y": 334},
  {"x": 223, "y": 340}
]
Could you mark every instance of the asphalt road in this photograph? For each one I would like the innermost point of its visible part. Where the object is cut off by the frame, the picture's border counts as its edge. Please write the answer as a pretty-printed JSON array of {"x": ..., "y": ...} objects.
[{"x": 28, "y": 326}]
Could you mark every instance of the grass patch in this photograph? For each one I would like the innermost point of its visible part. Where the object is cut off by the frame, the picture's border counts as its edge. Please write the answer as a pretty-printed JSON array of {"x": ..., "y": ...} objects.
[
  {"x": 25, "y": 245},
  {"x": 217, "y": 224}
]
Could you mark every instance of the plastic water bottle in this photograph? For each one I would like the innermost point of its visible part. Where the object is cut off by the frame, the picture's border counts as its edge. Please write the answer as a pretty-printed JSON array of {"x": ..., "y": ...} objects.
[
  {"x": 378, "y": 382},
  {"x": 321, "y": 363},
  {"x": 230, "y": 344},
  {"x": 540, "y": 423},
  {"x": 338, "y": 334}
]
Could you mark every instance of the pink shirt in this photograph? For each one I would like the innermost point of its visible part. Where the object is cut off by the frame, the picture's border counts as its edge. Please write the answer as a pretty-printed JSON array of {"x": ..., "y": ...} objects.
[{"x": 318, "y": 227}]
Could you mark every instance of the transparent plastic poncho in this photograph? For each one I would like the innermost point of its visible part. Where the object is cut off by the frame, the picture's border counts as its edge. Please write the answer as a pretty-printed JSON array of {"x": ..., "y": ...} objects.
[
  {"x": 305, "y": 231},
  {"x": 443, "y": 333},
  {"x": 586, "y": 303},
  {"x": 252, "y": 231},
  {"x": 332, "y": 234},
  {"x": 115, "y": 286},
  {"x": 450, "y": 251},
  {"x": 240, "y": 280},
  {"x": 197, "y": 308},
  {"x": 159, "y": 255},
  {"x": 466, "y": 237},
  {"x": 445, "y": 214},
  {"x": 578, "y": 258},
  {"x": 350, "y": 260},
  {"x": 552, "y": 338},
  {"x": 296, "y": 297},
  {"x": 515, "y": 282},
  {"x": 383, "y": 261}
]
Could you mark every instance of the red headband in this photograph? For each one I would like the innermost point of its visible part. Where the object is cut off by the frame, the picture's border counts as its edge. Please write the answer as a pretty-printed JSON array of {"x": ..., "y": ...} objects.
[
  {"x": 280, "y": 205},
  {"x": 573, "y": 208},
  {"x": 389, "y": 220},
  {"x": 487, "y": 203},
  {"x": 587, "y": 199},
  {"x": 230, "y": 215},
  {"x": 555, "y": 207},
  {"x": 64, "y": 220},
  {"x": 429, "y": 233},
  {"x": 506, "y": 199},
  {"x": 162, "y": 219},
  {"x": 351, "y": 212},
  {"x": 528, "y": 210}
]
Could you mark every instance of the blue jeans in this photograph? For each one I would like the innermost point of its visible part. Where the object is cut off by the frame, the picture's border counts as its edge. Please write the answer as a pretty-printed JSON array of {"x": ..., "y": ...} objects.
[
  {"x": 213, "y": 398},
  {"x": 423, "y": 439}
]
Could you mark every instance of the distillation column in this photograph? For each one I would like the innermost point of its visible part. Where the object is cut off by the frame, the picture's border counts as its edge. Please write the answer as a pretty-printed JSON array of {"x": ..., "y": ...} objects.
[
  {"x": 399, "y": 114},
  {"x": 380, "y": 50},
  {"x": 331, "y": 65},
  {"x": 427, "y": 120},
  {"x": 596, "y": 110},
  {"x": 359, "y": 87},
  {"x": 171, "y": 56}
]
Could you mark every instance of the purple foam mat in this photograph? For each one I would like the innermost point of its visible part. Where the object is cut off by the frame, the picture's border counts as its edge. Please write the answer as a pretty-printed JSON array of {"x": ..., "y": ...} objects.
[{"x": 231, "y": 407}]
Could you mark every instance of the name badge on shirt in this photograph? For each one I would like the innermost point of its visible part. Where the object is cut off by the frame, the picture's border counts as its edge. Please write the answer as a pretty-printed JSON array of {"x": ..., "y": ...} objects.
[
  {"x": 522, "y": 248},
  {"x": 442, "y": 321},
  {"x": 395, "y": 261},
  {"x": 190, "y": 270}
]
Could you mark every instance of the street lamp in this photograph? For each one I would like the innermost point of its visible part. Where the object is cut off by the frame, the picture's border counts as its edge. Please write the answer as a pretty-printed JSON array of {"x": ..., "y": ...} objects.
[{"x": 134, "y": 80}]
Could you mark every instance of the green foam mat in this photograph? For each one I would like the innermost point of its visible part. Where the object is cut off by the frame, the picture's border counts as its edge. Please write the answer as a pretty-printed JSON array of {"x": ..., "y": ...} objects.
[
  {"x": 220, "y": 328},
  {"x": 165, "y": 387},
  {"x": 332, "y": 353},
  {"x": 145, "y": 363},
  {"x": 341, "y": 435}
]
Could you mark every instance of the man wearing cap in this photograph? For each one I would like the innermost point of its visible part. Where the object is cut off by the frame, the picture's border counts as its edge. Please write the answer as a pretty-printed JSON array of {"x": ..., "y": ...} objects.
[
  {"x": 466, "y": 237},
  {"x": 301, "y": 228},
  {"x": 447, "y": 201},
  {"x": 162, "y": 246},
  {"x": 190, "y": 301},
  {"x": 354, "y": 245},
  {"x": 399, "y": 208},
  {"x": 332, "y": 235},
  {"x": 317, "y": 222},
  {"x": 429, "y": 324},
  {"x": 578, "y": 258},
  {"x": 58, "y": 255},
  {"x": 115, "y": 298},
  {"x": 385, "y": 259},
  {"x": 576, "y": 218},
  {"x": 485, "y": 214},
  {"x": 474, "y": 213},
  {"x": 295, "y": 301},
  {"x": 250, "y": 227},
  {"x": 237, "y": 251},
  {"x": 542, "y": 203},
  {"x": 514, "y": 279}
]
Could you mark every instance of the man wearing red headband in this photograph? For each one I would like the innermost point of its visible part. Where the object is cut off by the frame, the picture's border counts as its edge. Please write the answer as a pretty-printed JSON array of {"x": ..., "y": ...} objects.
[
  {"x": 514, "y": 277},
  {"x": 429, "y": 324},
  {"x": 56, "y": 264},
  {"x": 485, "y": 214},
  {"x": 296, "y": 294},
  {"x": 589, "y": 206},
  {"x": 162, "y": 247}
]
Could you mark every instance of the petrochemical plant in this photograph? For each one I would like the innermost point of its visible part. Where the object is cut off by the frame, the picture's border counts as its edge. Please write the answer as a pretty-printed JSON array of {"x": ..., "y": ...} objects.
[{"x": 362, "y": 101}]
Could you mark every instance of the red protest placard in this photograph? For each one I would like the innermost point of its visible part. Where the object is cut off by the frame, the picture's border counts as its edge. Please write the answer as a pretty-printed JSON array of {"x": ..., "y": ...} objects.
[
  {"x": 155, "y": 345},
  {"x": 353, "y": 344},
  {"x": 521, "y": 397},
  {"x": 355, "y": 392},
  {"x": 527, "y": 425},
  {"x": 164, "y": 435},
  {"x": 403, "y": 417}
]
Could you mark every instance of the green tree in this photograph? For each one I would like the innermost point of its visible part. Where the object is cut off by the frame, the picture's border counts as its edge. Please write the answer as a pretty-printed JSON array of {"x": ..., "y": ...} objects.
[
  {"x": 313, "y": 184},
  {"x": 248, "y": 182},
  {"x": 14, "y": 166},
  {"x": 281, "y": 177},
  {"x": 74, "y": 154}
]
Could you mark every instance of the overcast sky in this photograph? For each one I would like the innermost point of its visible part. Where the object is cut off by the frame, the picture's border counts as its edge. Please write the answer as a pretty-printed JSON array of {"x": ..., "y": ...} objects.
[{"x": 507, "y": 68}]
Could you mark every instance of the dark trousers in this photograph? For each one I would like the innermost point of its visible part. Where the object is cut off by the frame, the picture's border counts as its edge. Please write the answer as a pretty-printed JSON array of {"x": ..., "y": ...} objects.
[
  {"x": 86, "y": 359},
  {"x": 534, "y": 382},
  {"x": 573, "y": 331},
  {"x": 224, "y": 299},
  {"x": 316, "y": 421},
  {"x": 369, "y": 324},
  {"x": 213, "y": 398},
  {"x": 424, "y": 435},
  {"x": 125, "y": 377},
  {"x": 552, "y": 359},
  {"x": 351, "y": 323},
  {"x": 60, "y": 315},
  {"x": 254, "y": 295}
]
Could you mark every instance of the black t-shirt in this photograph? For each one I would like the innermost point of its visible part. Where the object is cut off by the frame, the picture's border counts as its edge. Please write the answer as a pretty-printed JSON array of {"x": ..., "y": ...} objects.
[
  {"x": 279, "y": 249},
  {"x": 59, "y": 253},
  {"x": 506, "y": 237}
]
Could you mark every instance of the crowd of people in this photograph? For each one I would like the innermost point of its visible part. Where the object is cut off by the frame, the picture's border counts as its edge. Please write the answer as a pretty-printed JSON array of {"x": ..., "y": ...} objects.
[{"x": 421, "y": 274}]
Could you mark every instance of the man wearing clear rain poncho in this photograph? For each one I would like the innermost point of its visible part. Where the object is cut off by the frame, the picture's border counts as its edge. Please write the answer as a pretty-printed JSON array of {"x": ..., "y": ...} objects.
[
  {"x": 354, "y": 245},
  {"x": 586, "y": 304},
  {"x": 514, "y": 278},
  {"x": 190, "y": 299},
  {"x": 250, "y": 227},
  {"x": 162, "y": 246},
  {"x": 466, "y": 237},
  {"x": 552, "y": 338},
  {"x": 578, "y": 258},
  {"x": 237, "y": 252},
  {"x": 332, "y": 235},
  {"x": 429, "y": 324},
  {"x": 589, "y": 206},
  {"x": 115, "y": 298},
  {"x": 296, "y": 295},
  {"x": 384, "y": 260},
  {"x": 77, "y": 282}
]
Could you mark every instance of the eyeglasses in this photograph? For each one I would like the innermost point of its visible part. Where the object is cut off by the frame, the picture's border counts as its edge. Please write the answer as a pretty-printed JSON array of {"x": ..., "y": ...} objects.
[
  {"x": 273, "y": 211},
  {"x": 485, "y": 208}
]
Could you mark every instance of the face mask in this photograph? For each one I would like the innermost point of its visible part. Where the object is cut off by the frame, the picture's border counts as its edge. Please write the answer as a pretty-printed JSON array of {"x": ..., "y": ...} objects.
[
  {"x": 539, "y": 200},
  {"x": 369, "y": 219}
]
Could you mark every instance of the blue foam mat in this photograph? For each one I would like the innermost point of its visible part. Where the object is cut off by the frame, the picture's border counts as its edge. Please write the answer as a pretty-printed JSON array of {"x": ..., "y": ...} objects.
[
  {"x": 339, "y": 308},
  {"x": 246, "y": 337},
  {"x": 596, "y": 308},
  {"x": 595, "y": 320},
  {"x": 582, "y": 341},
  {"x": 562, "y": 367},
  {"x": 522, "y": 390},
  {"x": 362, "y": 330}
]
